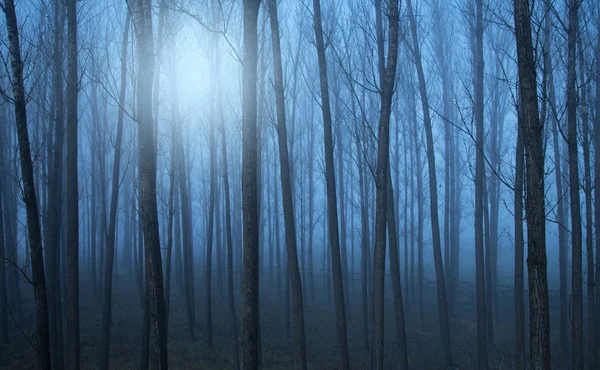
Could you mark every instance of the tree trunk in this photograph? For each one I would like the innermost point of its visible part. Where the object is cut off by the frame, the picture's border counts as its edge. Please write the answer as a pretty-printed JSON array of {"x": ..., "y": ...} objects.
[
  {"x": 114, "y": 200},
  {"x": 531, "y": 128},
  {"x": 576, "y": 233},
  {"x": 72, "y": 356},
  {"x": 435, "y": 226},
  {"x": 482, "y": 356},
  {"x": 229, "y": 242},
  {"x": 286, "y": 191},
  {"x": 588, "y": 214},
  {"x": 142, "y": 20},
  {"x": 33, "y": 227},
  {"x": 385, "y": 205},
  {"x": 338, "y": 284},
  {"x": 519, "y": 280},
  {"x": 250, "y": 188}
]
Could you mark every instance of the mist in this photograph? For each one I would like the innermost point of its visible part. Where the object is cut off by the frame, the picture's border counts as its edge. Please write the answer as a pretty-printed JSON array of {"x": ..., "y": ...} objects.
[{"x": 280, "y": 184}]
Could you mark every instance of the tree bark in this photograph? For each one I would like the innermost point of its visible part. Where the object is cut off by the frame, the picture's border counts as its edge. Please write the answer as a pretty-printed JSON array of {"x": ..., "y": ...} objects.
[
  {"x": 29, "y": 196},
  {"x": 531, "y": 128},
  {"x": 383, "y": 182},
  {"x": 576, "y": 233},
  {"x": 250, "y": 188},
  {"x": 72, "y": 355},
  {"x": 142, "y": 21}
]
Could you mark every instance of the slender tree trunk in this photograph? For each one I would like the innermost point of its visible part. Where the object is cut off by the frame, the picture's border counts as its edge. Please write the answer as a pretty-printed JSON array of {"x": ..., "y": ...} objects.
[
  {"x": 209, "y": 238},
  {"x": 435, "y": 226},
  {"x": 29, "y": 196},
  {"x": 588, "y": 213},
  {"x": 338, "y": 284},
  {"x": 142, "y": 20},
  {"x": 114, "y": 200},
  {"x": 229, "y": 242},
  {"x": 385, "y": 205},
  {"x": 72, "y": 360},
  {"x": 519, "y": 280},
  {"x": 531, "y": 128},
  {"x": 286, "y": 191},
  {"x": 482, "y": 356},
  {"x": 576, "y": 233}
]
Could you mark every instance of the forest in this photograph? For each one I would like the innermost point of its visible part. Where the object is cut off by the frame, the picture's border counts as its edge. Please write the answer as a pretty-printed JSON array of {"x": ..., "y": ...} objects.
[{"x": 297, "y": 184}]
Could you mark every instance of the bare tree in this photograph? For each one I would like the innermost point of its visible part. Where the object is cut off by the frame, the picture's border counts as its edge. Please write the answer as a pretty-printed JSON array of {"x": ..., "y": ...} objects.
[
  {"x": 332, "y": 217},
  {"x": 383, "y": 183},
  {"x": 435, "y": 225},
  {"x": 141, "y": 11},
  {"x": 286, "y": 191},
  {"x": 529, "y": 123},
  {"x": 576, "y": 260},
  {"x": 114, "y": 200},
  {"x": 31, "y": 206}
]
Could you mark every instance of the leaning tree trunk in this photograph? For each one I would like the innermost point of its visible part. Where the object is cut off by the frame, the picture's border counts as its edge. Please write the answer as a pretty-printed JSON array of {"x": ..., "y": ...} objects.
[
  {"x": 142, "y": 20},
  {"x": 529, "y": 123},
  {"x": 33, "y": 225},
  {"x": 332, "y": 217},
  {"x": 286, "y": 191},
  {"x": 435, "y": 225},
  {"x": 250, "y": 188},
  {"x": 114, "y": 200}
]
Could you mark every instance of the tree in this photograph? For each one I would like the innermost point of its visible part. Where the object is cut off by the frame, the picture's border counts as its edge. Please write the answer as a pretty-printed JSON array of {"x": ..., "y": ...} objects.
[
  {"x": 519, "y": 281},
  {"x": 286, "y": 191},
  {"x": 332, "y": 218},
  {"x": 72, "y": 360},
  {"x": 141, "y": 11},
  {"x": 250, "y": 189},
  {"x": 38, "y": 278},
  {"x": 435, "y": 225},
  {"x": 114, "y": 199},
  {"x": 383, "y": 183},
  {"x": 577, "y": 277},
  {"x": 529, "y": 123},
  {"x": 482, "y": 356}
]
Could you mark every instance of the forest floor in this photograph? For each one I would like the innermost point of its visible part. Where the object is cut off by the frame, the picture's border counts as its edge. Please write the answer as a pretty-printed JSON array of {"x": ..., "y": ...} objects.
[{"x": 424, "y": 345}]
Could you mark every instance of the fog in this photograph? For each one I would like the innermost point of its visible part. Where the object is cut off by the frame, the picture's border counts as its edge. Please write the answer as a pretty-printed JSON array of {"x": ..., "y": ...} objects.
[{"x": 288, "y": 184}]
